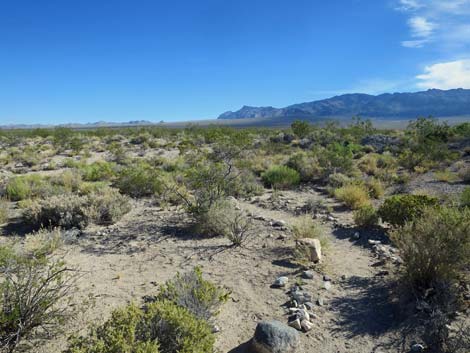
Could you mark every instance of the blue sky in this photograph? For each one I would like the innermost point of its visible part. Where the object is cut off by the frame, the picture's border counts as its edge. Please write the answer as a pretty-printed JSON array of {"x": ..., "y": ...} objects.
[{"x": 118, "y": 60}]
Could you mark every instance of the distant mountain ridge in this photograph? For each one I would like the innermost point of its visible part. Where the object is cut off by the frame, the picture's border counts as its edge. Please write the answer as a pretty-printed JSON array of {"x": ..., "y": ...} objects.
[
  {"x": 78, "y": 125},
  {"x": 438, "y": 103}
]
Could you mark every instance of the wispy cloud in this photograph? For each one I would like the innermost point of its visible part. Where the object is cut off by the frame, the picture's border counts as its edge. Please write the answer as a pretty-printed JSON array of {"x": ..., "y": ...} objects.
[
  {"x": 440, "y": 22},
  {"x": 446, "y": 75},
  {"x": 421, "y": 27}
]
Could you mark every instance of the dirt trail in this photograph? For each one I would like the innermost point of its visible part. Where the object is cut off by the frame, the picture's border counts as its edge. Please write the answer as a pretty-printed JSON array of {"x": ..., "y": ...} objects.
[{"x": 127, "y": 261}]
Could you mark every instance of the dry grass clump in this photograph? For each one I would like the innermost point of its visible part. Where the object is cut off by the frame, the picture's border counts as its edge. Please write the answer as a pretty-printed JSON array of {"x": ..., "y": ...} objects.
[
  {"x": 446, "y": 176},
  {"x": 306, "y": 227},
  {"x": 464, "y": 174},
  {"x": 353, "y": 196}
]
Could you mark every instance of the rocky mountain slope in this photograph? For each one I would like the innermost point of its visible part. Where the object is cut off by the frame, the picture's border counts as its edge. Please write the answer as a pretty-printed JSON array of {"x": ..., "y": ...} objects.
[{"x": 438, "y": 103}]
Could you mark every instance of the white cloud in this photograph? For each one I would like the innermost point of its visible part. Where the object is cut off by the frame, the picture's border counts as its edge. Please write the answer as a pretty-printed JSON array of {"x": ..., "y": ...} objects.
[
  {"x": 443, "y": 23},
  {"x": 407, "y": 5},
  {"x": 420, "y": 27},
  {"x": 414, "y": 43},
  {"x": 446, "y": 75}
]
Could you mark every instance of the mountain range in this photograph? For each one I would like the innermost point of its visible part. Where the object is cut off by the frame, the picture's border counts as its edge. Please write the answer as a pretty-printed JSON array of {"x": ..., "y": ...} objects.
[{"x": 433, "y": 102}]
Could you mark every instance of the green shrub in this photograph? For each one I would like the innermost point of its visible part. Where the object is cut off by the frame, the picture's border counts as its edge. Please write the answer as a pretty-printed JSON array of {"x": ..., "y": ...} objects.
[
  {"x": 353, "y": 196},
  {"x": 139, "y": 180},
  {"x": 301, "y": 128},
  {"x": 190, "y": 290},
  {"x": 399, "y": 209},
  {"x": 337, "y": 180},
  {"x": 97, "y": 171},
  {"x": 107, "y": 206},
  {"x": 307, "y": 166},
  {"x": 366, "y": 217},
  {"x": 465, "y": 197},
  {"x": 435, "y": 247},
  {"x": 35, "y": 295},
  {"x": 119, "y": 334},
  {"x": 160, "y": 327},
  {"x": 281, "y": 177},
  {"x": 24, "y": 187},
  {"x": 223, "y": 219},
  {"x": 65, "y": 211}
]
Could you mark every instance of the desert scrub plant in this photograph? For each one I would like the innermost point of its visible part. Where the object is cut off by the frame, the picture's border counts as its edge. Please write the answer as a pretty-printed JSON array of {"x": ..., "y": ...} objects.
[
  {"x": 3, "y": 212},
  {"x": 375, "y": 187},
  {"x": 97, "y": 171},
  {"x": 337, "y": 180},
  {"x": 399, "y": 209},
  {"x": 435, "y": 247},
  {"x": 65, "y": 211},
  {"x": 35, "y": 296},
  {"x": 281, "y": 177},
  {"x": 139, "y": 180},
  {"x": 446, "y": 176},
  {"x": 107, "y": 206},
  {"x": 304, "y": 227},
  {"x": 366, "y": 217},
  {"x": 353, "y": 196},
  {"x": 191, "y": 291},
  {"x": 24, "y": 187},
  {"x": 465, "y": 197},
  {"x": 223, "y": 219},
  {"x": 118, "y": 334},
  {"x": 464, "y": 174},
  {"x": 160, "y": 327},
  {"x": 306, "y": 165}
]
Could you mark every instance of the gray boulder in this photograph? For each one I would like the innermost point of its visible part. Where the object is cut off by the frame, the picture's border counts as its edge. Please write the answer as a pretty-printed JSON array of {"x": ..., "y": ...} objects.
[{"x": 275, "y": 337}]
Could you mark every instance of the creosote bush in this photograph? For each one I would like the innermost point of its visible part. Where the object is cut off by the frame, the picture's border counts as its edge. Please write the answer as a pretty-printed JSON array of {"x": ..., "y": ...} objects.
[
  {"x": 225, "y": 220},
  {"x": 435, "y": 247},
  {"x": 353, "y": 196},
  {"x": 366, "y": 217},
  {"x": 191, "y": 291},
  {"x": 176, "y": 321},
  {"x": 159, "y": 327},
  {"x": 35, "y": 291},
  {"x": 399, "y": 209},
  {"x": 465, "y": 197},
  {"x": 139, "y": 181},
  {"x": 281, "y": 177}
]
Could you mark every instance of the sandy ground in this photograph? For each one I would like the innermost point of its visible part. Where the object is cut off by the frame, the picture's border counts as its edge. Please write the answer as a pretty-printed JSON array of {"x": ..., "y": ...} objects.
[{"x": 125, "y": 262}]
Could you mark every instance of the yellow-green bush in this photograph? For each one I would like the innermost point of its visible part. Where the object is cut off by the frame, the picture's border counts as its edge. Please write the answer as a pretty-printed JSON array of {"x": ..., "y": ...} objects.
[
  {"x": 353, "y": 196},
  {"x": 24, "y": 187},
  {"x": 281, "y": 177},
  {"x": 3, "y": 212},
  {"x": 160, "y": 327},
  {"x": 97, "y": 171},
  {"x": 465, "y": 197},
  {"x": 435, "y": 247},
  {"x": 139, "y": 180},
  {"x": 191, "y": 291},
  {"x": 305, "y": 227},
  {"x": 366, "y": 216},
  {"x": 375, "y": 187},
  {"x": 399, "y": 209}
]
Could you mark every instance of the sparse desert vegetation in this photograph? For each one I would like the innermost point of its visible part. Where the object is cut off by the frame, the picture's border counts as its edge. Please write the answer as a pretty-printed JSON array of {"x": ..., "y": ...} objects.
[{"x": 154, "y": 239}]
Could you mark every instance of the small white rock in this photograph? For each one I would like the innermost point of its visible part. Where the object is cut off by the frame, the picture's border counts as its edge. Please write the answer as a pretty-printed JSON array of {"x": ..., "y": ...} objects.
[{"x": 295, "y": 324}]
